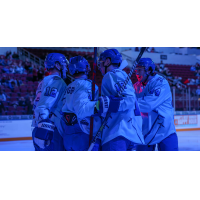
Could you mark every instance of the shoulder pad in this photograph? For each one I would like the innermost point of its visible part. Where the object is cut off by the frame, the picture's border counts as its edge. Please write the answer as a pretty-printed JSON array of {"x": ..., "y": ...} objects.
[
  {"x": 89, "y": 80},
  {"x": 56, "y": 78}
]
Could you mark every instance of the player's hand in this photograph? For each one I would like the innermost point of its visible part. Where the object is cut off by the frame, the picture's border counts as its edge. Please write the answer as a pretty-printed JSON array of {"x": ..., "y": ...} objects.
[
  {"x": 44, "y": 133},
  {"x": 108, "y": 104}
]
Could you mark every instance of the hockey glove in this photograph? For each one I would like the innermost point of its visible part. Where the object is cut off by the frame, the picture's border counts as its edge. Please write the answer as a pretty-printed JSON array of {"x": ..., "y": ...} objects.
[
  {"x": 108, "y": 104},
  {"x": 44, "y": 133}
]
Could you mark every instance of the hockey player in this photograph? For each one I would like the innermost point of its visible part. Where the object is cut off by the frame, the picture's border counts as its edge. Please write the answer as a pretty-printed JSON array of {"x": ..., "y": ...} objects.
[
  {"x": 48, "y": 105},
  {"x": 155, "y": 103},
  {"x": 124, "y": 127},
  {"x": 78, "y": 107}
]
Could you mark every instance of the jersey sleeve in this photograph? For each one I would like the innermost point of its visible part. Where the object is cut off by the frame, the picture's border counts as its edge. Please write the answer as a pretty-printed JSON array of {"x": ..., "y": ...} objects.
[
  {"x": 83, "y": 106},
  {"x": 47, "y": 98},
  {"x": 157, "y": 93},
  {"x": 113, "y": 83}
]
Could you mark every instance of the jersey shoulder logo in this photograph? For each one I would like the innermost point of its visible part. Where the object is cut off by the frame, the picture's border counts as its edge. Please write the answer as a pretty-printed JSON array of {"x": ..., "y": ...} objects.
[{"x": 157, "y": 92}]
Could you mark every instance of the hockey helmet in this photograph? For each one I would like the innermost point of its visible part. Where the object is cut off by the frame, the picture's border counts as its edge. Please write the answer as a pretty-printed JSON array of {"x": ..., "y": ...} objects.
[
  {"x": 147, "y": 63},
  {"x": 53, "y": 58},
  {"x": 113, "y": 54},
  {"x": 78, "y": 64}
]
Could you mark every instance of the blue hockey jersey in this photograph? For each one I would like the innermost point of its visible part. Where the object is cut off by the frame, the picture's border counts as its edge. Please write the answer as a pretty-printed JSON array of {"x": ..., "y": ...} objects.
[
  {"x": 155, "y": 103},
  {"x": 127, "y": 122},
  {"x": 77, "y": 100},
  {"x": 48, "y": 102}
]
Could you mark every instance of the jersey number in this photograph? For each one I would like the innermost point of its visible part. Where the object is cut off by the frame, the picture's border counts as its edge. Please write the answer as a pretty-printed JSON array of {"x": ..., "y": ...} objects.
[
  {"x": 70, "y": 90},
  {"x": 137, "y": 110},
  {"x": 51, "y": 92}
]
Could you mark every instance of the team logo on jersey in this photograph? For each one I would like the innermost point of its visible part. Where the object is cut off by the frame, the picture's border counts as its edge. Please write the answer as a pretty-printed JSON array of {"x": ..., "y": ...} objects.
[
  {"x": 157, "y": 92},
  {"x": 118, "y": 86},
  {"x": 151, "y": 91},
  {"x": 70, "y": 90}
]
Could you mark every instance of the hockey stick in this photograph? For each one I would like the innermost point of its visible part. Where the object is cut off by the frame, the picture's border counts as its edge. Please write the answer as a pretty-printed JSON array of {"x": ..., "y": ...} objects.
[
  {"x": 93, "y": 91},
  {"x": 119, "y": 93}
]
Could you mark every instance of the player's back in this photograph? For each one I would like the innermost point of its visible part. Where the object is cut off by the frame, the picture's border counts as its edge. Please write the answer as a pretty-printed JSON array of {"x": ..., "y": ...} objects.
[{"x": 49, "y": 98}]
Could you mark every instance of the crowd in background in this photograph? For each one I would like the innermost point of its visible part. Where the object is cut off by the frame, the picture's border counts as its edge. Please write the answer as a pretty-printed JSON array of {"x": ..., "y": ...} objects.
[{"x": 10, "y": 65}]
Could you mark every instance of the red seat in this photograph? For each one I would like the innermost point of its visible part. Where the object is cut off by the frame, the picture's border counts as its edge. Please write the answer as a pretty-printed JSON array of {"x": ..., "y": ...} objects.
[
  {"x": 7, "y": 90},
  {"x": 16, "y": 90},
  {"x": 13, "y": 99},
  {"x": 10, "y": 113},
  {"x": 13, "y": 94},
  {"x": 23, "y": 90},
  {"x": 20, "y": 108},
  {"x": 19, "y": 112}
]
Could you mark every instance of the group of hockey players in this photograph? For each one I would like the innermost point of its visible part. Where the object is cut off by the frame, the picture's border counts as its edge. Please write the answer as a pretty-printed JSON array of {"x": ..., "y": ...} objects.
[{"x": 140, "y": 119}]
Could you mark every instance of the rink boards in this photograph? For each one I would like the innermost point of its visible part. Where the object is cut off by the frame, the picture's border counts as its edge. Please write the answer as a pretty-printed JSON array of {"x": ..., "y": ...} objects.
[{"x": 18, "y": 128}]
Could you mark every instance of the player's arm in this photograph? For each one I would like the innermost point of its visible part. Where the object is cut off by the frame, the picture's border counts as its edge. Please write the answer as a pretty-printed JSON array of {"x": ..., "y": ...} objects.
[
  {"x": 155, "y": 97},
  {"x": 127, "y": 98},
  {"x": 82, "y": 104}
]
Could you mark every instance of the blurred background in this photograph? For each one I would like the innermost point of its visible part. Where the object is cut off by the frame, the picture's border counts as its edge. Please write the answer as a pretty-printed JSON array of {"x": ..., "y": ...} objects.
[{"x": 22, "y": 68}]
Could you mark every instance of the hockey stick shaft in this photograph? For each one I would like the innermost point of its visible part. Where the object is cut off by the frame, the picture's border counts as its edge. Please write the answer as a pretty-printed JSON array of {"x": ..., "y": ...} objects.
[
  {"x": 119, "y": 93},
  {"x": 93, "y": 91}
]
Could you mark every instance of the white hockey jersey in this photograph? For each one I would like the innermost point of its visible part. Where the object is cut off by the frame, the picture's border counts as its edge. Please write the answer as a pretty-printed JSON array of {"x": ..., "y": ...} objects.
[
  {"x": 78, "y": 101},
  {"x": 49, "y": 97},
  {"x": 155, "y": 103},
  {"x": 127, "y": 122}
]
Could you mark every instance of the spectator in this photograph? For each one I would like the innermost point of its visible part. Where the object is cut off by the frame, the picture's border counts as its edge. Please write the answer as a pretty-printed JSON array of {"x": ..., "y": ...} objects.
[
  {"x": 14, "y": 104},
  {"x": 158, "y": 69},
  {"x": 197, "y": 66},
  {"x": 9, "y": 61},
  {"x": 15, "y": 56},
  {"x": 40, "y": 73},
  {"x": 2, "y": 61},
  {"x": 1, "y": 107},
  {"x": 27, "y": 64},
  {"x": 167, "y": 73},
  {"x": 162, "y": 65},
  {"x": 12, "y": 69},
  {"x": 136, "y": 49},
  {"x": 193, "y": 68},
  {"x": 190, "y": 81},
  {"x": 197, "y": 73},
  {"x": 30, "y": 70},
  {"x": 31, "y": 95},
  {"x": 152, "y": 50},
  {"x": 35, "y": 73},
  {"x": 30, "y": 106},
  {"x": 6, "y": 69},
  {"x": 198, "y": 80},
  {"x": 22, "y": 102},
  {"x": 4, "y": 81},
  {"x": 198, "y": 90},
  {"x": 12, "y": 85},
  {"x": 2, "y": 96},
  {"x": 20, "y": 69},
  {"x": 8, "y": 53}
]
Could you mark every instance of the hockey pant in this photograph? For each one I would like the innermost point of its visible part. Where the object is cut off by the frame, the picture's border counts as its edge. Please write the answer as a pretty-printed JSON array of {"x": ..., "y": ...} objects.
[
  {"x": 55, "y": 145},
  {"x": 168, "y": 144},
  {"x": 76, "y": 140},
  {"x": 119, "y": 143}
]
